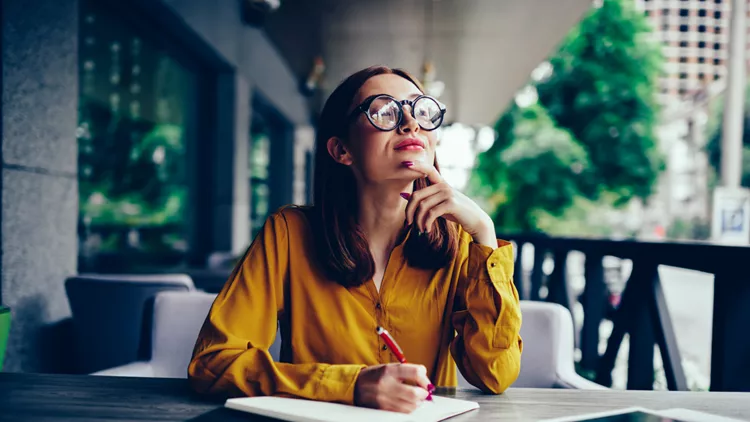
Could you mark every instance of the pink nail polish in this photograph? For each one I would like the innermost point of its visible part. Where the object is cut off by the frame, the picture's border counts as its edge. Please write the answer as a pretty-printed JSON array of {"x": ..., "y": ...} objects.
[
  {"x": 429, "y": 397},
  {"x": 405, "y": 195},
  {"x": 407, "y": 163},
  {"x": 430, "y": 388}
]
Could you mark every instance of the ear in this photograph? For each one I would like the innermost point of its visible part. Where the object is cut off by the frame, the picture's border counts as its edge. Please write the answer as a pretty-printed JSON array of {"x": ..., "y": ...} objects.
[{"x": 337, "y": 151}]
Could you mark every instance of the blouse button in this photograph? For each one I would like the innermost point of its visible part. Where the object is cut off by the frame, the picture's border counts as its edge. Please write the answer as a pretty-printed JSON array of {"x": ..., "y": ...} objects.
[
  {"x": 377, "y": 305},
  {"x": 385, "y": 347},
  {"x": 492, "y": 264}
]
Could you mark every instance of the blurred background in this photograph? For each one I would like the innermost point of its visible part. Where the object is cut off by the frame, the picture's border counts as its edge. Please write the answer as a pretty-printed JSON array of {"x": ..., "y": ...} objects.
[{"x": 155, "y": 137}]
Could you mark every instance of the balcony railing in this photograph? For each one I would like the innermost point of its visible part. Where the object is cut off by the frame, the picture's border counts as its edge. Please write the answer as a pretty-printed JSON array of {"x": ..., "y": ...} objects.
[{"x": 642, "y": 312}]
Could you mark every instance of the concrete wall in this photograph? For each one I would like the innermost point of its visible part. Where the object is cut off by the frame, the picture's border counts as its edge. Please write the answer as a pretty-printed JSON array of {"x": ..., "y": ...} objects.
[
  {"x": 39, "y": 172},
  {"x": 39, "y": 154}
]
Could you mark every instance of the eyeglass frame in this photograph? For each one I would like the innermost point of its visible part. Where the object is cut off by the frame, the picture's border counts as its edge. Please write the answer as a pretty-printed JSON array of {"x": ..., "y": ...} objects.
[{"x": 365, "y": 105}]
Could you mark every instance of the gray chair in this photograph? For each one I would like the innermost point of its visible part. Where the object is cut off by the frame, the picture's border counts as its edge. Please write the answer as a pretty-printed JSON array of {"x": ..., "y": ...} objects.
[
  {"x": 178, "y": 317},
  {"x": 110, "y": 312},
  {"x": 548, "y": 345}
]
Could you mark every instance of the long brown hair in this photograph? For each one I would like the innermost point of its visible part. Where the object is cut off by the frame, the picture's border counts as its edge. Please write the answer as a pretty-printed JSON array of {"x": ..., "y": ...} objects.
[{"x": 342, "y": 248}]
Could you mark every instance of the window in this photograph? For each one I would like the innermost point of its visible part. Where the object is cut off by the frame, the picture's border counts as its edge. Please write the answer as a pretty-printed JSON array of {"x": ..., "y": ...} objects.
[
  {"x": 260, "y": 161},
  {"x": 271, "y": 158},
  {"x": 137, "y": 107},
  {"x": 701, "y": 59},
  {"x": 717, "y": 62},
  {"x": 702, "y": 13},
  {"x": 684, "y": 12},
  {"x": 716, "y": 76},
  {"x": 665, "y": 27},
  {"x": 683, "y": 59},
  {"x": 683, "y": 28},
  {"x": 717, "y": 1},
  {"x": 717, "y": 30},
  {"x": 701, "y": 44},
  {"x": 701, "y": 76},
  {"x": 717, "y": 46},
  {"x": 665, "y": 12},
  {"x": 717, "y": 14},
  {"x": 683, "y": 75},
  {"x": 701, "y": 28},
  {"x": 682, "y": 91},
  {"x": 683, "y": 44}
]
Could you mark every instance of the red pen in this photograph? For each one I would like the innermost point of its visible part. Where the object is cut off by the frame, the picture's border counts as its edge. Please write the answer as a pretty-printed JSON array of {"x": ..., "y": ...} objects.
[
  {"x": 391, "y": 343},
  {"x": 396, "y": 350}
]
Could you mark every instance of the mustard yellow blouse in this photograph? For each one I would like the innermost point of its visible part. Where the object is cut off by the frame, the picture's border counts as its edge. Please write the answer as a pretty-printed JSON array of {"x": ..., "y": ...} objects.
[{"x": 467, "y": 311}]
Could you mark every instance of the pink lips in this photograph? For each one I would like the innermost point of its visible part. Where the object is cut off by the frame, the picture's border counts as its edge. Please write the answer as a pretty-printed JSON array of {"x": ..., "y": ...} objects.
[{"x": 410, "y": 145}]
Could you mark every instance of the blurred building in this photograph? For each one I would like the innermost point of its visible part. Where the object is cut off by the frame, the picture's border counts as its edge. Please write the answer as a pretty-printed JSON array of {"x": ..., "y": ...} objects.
[{"x": 694, "y": 35}]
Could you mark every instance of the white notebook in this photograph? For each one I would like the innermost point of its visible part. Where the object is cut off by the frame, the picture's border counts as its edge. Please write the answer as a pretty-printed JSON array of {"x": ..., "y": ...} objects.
[{"x": 298, "y": 410}]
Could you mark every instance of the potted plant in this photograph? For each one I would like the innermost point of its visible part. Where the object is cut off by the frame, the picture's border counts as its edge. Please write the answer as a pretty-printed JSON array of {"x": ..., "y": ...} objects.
[{"x": 4, "y": 331}]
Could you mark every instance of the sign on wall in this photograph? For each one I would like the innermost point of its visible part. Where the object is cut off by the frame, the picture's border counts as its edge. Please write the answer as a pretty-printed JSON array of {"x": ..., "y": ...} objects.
[{"x": 731, "y": 216}]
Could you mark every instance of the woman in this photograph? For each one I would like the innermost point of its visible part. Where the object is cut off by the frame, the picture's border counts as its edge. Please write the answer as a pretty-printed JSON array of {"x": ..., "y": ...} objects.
[{"x": 387, "y": 243}]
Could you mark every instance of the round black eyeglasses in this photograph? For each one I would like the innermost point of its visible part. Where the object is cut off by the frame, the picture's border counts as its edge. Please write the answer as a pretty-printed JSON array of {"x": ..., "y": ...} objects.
[{"x": 386, "y": 113}]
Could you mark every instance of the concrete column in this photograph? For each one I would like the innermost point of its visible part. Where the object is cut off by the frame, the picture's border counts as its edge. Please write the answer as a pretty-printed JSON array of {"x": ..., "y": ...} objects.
[
  {"x": 240, "y": 168},
  {"x": 734, "y": 102},
  {"x": 39, "y": 174},
  {"x": 304, "y": 143}
]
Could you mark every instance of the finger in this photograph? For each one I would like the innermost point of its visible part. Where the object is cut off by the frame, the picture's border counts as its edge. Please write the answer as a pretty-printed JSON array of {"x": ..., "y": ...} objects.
[
  {"x": 427, "y": 208},
  {"x": 416, "y": 374},
  {"x": 430, "y": 172},
  {"x": 416, "y": 198},
  {"x": 408, "y": 397},
  {"x": 435, "y": 212},
  {"x": 412, "y": 398}
]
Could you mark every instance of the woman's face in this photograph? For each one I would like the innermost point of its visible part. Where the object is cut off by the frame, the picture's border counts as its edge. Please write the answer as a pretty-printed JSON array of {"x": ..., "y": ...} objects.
[{"x": 376, "y": 155}]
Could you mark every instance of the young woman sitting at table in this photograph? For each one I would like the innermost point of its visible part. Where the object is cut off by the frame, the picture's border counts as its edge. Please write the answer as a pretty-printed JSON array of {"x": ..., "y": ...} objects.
[{"x": 388, "y": 243}]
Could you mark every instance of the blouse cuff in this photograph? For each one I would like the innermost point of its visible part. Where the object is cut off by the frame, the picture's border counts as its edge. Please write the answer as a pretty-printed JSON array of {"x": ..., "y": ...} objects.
[{"x": 486, "y": 263}]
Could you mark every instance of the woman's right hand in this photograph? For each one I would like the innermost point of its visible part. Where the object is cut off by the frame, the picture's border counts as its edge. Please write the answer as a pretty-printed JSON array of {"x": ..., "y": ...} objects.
[{"x": 396, "y": 387}]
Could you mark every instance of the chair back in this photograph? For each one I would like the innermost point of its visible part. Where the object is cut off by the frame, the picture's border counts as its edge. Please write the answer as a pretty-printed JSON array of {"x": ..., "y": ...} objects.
[
  {"x": 178, "y": 318},
  {"x": 112, "y": 316},
  {"x": 549, "y": 343}
]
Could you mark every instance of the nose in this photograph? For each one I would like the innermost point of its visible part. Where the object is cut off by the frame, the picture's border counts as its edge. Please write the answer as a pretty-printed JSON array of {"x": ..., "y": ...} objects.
[{"x": 408, "y": 123}]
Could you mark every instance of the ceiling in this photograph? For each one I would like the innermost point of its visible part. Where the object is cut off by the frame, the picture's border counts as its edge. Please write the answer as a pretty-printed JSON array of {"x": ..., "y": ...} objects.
[{"x": 483, "y": 50}]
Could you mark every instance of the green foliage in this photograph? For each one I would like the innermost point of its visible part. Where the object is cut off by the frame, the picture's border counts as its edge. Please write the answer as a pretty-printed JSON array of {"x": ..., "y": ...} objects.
[
  {"x": 592, "y": 133},
  {"x": 715, "y": 133},
  {"x": 532, "y": 162},
  {"x": 130, "y": 171},
  {"x": 694, "y": 229}
]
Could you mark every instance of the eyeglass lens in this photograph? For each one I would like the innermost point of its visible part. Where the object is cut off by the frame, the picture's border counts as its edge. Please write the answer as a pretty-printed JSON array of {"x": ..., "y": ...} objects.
[{"x": 384, "y": 112}]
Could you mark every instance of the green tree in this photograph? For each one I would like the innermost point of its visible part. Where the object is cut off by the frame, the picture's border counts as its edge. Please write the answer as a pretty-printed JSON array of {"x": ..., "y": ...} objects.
[
  {"x": 601, "y": 94},
  {"x": 532, "y": 162}
]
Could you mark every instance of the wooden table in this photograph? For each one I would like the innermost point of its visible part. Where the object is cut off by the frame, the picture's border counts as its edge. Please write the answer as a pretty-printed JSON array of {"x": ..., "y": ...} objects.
[{"x": 40, "y": 397}]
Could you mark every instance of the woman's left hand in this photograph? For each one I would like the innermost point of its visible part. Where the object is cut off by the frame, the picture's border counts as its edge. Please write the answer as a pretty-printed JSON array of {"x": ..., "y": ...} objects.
[{"x": 441, "y": 200}]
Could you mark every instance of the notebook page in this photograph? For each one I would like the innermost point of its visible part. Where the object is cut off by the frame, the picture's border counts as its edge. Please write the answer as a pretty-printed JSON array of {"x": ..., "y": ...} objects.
[{"x": 298, "y": 410}]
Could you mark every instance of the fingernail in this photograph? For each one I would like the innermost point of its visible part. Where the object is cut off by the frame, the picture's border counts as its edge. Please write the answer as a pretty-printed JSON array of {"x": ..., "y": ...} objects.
[
  {"x": 405, "y": 195},
  {"x": 407, "y": 163},
  {"x": 430, "y": 389},
  {"x": 429, "y": 397}
]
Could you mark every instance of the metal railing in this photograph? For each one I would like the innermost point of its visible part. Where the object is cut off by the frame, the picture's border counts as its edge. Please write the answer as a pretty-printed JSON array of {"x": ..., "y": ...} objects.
[{"x": 642, "y": 312}]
